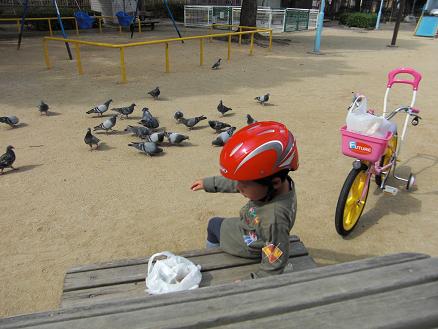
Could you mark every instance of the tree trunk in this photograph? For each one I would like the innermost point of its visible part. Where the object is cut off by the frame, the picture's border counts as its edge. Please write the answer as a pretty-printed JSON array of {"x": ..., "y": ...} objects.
[{"x": 248, "y": 13}]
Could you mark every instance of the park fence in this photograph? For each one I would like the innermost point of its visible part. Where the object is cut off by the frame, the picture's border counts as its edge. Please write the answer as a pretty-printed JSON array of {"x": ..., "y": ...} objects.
[{"x": 279, "y": 20}]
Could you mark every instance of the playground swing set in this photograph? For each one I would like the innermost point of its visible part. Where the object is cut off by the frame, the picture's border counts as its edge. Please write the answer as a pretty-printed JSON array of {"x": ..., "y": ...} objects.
[{"x": 85, "y": 21}]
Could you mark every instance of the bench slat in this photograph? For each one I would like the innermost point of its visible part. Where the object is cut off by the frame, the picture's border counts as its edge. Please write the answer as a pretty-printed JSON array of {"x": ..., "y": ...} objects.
[{"x": 133, "y": 273}]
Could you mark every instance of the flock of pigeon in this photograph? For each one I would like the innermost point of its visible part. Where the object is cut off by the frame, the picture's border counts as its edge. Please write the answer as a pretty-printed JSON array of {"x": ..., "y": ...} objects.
[{"x": 149, "y": 131}]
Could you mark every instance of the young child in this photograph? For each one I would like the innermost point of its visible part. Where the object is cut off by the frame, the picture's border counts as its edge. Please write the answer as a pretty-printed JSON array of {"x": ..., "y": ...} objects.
[{"x": 255, "y": 162}]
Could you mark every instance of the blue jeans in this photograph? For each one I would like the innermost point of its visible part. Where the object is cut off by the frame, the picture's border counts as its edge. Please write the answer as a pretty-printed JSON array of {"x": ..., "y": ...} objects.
[{"x": 214, "y": 231}]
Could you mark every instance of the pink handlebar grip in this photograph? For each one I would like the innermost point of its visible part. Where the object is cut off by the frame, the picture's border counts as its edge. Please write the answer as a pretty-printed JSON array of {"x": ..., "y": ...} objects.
[
  {"x": 415, "y": 110},
  {"x": 415, "y": 82}
]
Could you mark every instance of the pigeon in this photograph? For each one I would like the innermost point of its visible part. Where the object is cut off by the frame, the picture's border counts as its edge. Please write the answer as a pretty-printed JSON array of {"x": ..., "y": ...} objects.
[
  {"x": 155, "y": 93},
  {"x": 108, "y": 124},
  {"x": 223, "y": 137},
  {"x": 178, "y": 115},
  {"x": 190, "y": 123},
  {"x": 262, "y": 99},
  {"x": 11, "y": 120},
  {"x": 91, "y": 140},
  {"x": 7, "y": 159},
  {"x": 150, "y": 148},
  {"x": 141, "y": 132},
  {"x": 101, "y": 109},
  {"x": 217, "y": 125},
  {"x": 222, "y": 108},
  {"x": 156, "y": 137},
  {"x": 127, "y": 110},
  {"x": 43, "y": 107},
  {"x": 175, "y": 138},
  {"x": 217, "y": 64},
  {"x": 250, "y": 120}
]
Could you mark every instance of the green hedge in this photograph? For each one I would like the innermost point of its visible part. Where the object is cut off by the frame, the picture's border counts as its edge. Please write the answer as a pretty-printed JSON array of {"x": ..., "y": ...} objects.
[{"x": 361, "y": 20}]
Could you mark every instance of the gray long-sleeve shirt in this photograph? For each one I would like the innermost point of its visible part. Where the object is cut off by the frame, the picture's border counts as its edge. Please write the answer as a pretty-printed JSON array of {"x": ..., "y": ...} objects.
[{"x": 261, "y": 231}]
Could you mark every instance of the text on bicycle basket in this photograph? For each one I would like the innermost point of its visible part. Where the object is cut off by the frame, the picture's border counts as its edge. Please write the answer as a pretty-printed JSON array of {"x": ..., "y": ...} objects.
[{"x": 360, "y": 148}]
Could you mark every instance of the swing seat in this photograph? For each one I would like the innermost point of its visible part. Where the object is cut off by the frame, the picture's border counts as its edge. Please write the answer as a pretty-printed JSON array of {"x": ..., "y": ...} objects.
[
  {"x": 124, "y": 19},
  {"x": 84, "y": 20}
]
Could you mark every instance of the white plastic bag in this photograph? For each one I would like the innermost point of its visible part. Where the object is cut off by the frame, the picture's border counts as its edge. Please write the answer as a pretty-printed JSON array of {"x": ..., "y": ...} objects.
[
  {"x": 362, "y": 122},
  {"x": 175, "y": 273}
]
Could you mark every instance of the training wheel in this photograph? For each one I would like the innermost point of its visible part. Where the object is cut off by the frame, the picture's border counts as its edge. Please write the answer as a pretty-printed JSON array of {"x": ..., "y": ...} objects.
[{"x": 411, "y": 182}]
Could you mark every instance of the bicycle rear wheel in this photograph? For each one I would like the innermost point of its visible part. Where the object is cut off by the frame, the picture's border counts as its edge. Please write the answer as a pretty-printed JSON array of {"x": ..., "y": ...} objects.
[{"x": 349, "y": 207}]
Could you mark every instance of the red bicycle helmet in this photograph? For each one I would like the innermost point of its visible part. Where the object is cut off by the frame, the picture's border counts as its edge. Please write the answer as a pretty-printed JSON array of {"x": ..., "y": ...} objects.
[{"x": 258, "y": 151}]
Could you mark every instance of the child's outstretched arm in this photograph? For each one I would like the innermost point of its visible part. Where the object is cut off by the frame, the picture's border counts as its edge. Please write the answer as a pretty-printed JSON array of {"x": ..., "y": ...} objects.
[{"x": 215, "y": 184}]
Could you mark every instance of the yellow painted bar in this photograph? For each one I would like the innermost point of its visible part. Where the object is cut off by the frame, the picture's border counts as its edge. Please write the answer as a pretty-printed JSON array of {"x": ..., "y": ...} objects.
[
  {"x": 167, "y": 58},
  {"x": 78, "y": 58},
  {"x": 90, "y": 43},
  {"x": 270, "y": 40},
  {"x": 100, "y": 24},
  {"x": 229, "y": 48},
  {"x": 76, "y": 26},
  {"x": 251, "y": 47},
  {"x": 46, "y": 54},
  {"x": 120, "y": 28},
  {"x": 240, "y": 36},
  {"x": 139, "y": 26},
  {"x": 122, "y": 64},
  {"x": 201, "y": 52},
  {"x": 211, "y": 32},
  {"x": 50, "y": 27}
]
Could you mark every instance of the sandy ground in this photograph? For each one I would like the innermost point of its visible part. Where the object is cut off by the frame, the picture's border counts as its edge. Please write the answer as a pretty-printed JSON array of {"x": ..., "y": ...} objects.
[{"x": 68, "y": 206}]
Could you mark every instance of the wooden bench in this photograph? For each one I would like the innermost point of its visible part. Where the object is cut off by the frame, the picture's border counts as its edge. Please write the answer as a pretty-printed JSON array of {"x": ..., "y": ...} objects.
[
  {"x": 394, "y": 291},
  {"x": 96, "y": 283},
  {"x": 147, "y": 19}
]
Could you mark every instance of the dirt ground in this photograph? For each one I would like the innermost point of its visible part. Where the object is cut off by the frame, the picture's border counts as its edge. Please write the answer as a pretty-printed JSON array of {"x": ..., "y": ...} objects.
[{"x": 68, "y": 206}]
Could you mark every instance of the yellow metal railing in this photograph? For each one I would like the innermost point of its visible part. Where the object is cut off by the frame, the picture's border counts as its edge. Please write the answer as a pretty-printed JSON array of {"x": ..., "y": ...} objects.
[
  {"x": 166, "y": 42},
  {"x": 50, "y": 19}
]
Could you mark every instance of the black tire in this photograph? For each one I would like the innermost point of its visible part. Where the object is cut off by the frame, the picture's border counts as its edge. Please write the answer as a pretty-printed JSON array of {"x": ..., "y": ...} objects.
[{"x": 343, "y": 196}]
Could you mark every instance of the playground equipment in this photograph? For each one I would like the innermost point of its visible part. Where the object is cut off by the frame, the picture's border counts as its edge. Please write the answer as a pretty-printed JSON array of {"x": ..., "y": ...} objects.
[
  {"x": 374, "y": 155},
  {"x": 428, "y": 23},
  {"x": 249, "y": 30}
]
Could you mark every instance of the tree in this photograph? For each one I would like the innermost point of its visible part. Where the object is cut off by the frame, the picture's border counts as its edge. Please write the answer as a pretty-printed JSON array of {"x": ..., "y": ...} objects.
[{"x": 248, "y": 13}]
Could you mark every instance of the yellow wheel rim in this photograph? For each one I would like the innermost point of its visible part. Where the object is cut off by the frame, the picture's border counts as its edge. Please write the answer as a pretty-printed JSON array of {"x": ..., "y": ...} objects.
[
  {"x": 390, "y": 150},
  {"x": 353, "y": 207}
]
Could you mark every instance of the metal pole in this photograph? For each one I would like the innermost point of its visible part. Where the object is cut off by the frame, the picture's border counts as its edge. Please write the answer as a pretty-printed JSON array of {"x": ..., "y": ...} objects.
[
  {"x": 270, "y": 40},
  {"x": 378, "y": 15},
  {"x": 76, "y": 26},
  {"x": 173, "y": 20},
  {"x": 49, "y": 22},
  {"x": 229, "y": 48},
  {"x": 46, "y": 54},
  {"x": 20, "y": 35},
  {"x": 167, "y": 58},
  {"x": 397, "y": 24},
  {"x": 251, "y": 47},
  {"x": 62, "y": 29},
  {"x": 122, "y": 64},
  {"x": 78, "y": 59},
  {"x": 319, "y": 28},
  {"x": 201, "y": 52},
  {"x": 240, "y": 36}
]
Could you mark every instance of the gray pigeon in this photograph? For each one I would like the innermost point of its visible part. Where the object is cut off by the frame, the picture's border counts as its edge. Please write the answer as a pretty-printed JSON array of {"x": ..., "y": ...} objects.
[
  {"x": 223, "y": 137},
  {"x": 108, "y": 124},
  {"x": 141, "y": 132},
  {"x": 148, "y": 120},
  {"x": 222, "y": 108},
  {"x": 190, "y": 123},
  {"x": 217, "y": 125},
  {"x": 262, "y": 99},
  {"x": 7, "y": 159},
  {"x": 150, "y": 148},
  {"x": 217, "y": 64},
  {"x": 127, "y": 110},
  {"x": 43, "y": 107},
  {"x": 100, "y": 109},
  {"x": 250, "y": 120},
  {"x": 91, "y": 140},
  {"x": 11, "y": 120},
  {"x": 178, "y": 115},
  {"x": 175, "y": 138},
  {"x": 156, "y": 137},
  {"x": 155, "y": 93}
]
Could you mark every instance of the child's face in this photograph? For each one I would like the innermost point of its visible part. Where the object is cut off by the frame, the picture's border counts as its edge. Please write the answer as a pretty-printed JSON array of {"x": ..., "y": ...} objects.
[{"x": 252, "y": 190}]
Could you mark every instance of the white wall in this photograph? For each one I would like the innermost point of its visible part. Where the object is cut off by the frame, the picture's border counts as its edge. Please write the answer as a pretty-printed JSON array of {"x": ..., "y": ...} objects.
[{"x": 269, "y": 3}]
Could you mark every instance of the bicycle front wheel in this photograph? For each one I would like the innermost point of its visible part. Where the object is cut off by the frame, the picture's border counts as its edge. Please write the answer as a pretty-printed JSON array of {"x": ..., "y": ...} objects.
[{"x": 349, "y": 207}]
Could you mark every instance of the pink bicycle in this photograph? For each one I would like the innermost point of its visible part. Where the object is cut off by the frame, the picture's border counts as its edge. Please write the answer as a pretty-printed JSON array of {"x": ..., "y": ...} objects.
[{"x": 374, "y": 156}]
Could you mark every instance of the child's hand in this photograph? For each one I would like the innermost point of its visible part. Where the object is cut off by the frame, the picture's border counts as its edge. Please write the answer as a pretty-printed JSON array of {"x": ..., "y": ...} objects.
[{"x": 197, "y": 185}]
